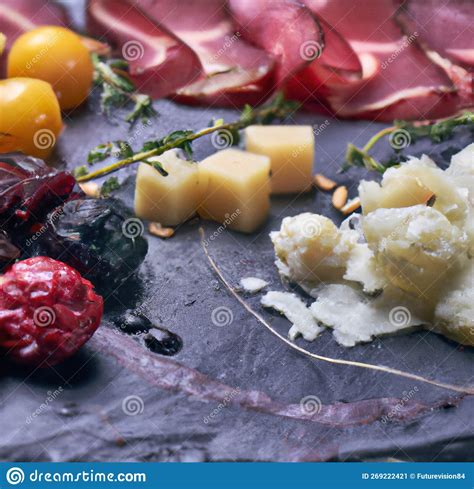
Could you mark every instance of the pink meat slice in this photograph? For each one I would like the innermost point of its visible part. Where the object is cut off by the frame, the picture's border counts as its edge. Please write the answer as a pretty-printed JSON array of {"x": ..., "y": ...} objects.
[
  {"x": 284, "y": 28},
  {"x": 338, "y": 68},
  {"x": 446, "y": 27},
  {"x": 235, "y": 71},
  {"x": 399, "y": 80},
  {"x": 19, "y": 16},
  {"x": 429, "y": 21},
  {"x": 159, "y": 62}
]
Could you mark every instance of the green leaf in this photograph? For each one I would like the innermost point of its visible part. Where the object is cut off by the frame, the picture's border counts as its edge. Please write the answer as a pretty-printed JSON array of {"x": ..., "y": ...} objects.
[
  {"x": 247, "y": 113},
  {"x": 118, "y": 90},
  {"x": 356, "y": 157},
  {"x": 80, "y": 171},
  {"x": 99, "y": 153},
  {"x": 119, "y": 149},
  {"x": 142, "y": 110},
  {"x": 109, "y": 186},
  {"x": 158, "y": 166}
]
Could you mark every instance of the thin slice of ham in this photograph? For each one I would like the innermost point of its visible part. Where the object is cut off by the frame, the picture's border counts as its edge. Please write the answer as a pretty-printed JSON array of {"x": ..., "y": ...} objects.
[
  {"x": 235, "y": 71},
  {"x": 19, "y": 16},
  {"x": 284, "y": 28},
  {"x": 399, "y": 80},
  {"x": 429, "y": 21},
  {"x": 159, "y": 61},
  {"x": 446, "y": 27},
  {"x": 338, "y": 68}
]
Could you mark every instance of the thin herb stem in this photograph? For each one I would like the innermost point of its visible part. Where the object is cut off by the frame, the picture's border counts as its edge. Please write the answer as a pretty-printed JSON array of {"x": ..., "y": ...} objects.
[
  {"x": 278, "y": 111},
  {"x": 376, "y": 137}
]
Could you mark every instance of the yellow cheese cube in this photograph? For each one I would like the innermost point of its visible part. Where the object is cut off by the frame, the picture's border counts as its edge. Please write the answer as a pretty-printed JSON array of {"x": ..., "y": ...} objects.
[
  {"x": 236, "y": 189},
  {"x": 291, "y": 152},
  {"x": 168, "y": 200}
]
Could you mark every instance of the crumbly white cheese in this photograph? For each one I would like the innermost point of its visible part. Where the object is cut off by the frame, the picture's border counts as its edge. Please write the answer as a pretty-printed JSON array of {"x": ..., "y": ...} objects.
[
  {"x": 252, "y": 285},
  {"x": 311, "y": 249},
  {"x": 413, "y": 245},
  {"x": 462, "y": 163},
  {"x": 454, "y": 314},
  {"x": 416, "y": 247},
  {"x": 355, "y": 318},
  {"x": 295, "y": 310},
  {"x": 413, "y": 183},
  {"x": 461, "y": 171},
  {"x": 361, "y": 267}
]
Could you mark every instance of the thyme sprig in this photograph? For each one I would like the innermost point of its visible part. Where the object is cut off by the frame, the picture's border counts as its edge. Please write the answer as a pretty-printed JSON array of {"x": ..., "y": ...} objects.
[
  {"x": 277, "y": 108},
  {"x": 118, "y": 90},
  {"x": 407, "y": 133}
]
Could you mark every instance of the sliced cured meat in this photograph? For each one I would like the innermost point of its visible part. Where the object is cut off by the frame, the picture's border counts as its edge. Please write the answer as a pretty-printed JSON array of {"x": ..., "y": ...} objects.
[
  {"x": 429, "y": 21},
  {"x": 338, "y": 68},
  {"x": 18, "y": 16},
  {"x": 445, "y": 27},
  {"x": 284, "y": 28},
  {"x": 398, "y": 78},
  {"x": 159, "y": 62},
  {"x": 235, "y": 71}
]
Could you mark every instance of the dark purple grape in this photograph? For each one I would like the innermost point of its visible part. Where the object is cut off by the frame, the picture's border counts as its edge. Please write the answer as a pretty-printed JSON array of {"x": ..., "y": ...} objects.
[
  {"x": 93, "y": 236},
  {"x": 29, "y": 190},
  {"x": 8, "y": 251}
]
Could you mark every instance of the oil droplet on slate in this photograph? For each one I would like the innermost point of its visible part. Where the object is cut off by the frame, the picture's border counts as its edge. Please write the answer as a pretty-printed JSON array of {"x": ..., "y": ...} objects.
[
  {"x": 132, "y": 323},
  {"x": 163, "y": 342}
]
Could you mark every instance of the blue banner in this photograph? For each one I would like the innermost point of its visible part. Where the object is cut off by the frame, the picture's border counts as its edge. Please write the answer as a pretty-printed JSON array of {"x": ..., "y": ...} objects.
[{"x": 236, "y": 475}]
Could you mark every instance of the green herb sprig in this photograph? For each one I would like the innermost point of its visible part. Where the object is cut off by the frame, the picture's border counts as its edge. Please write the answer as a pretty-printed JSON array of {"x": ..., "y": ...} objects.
[
  {"x": 118, "y": 90},
  {"x": 277, "y": 108},
  {"x": 409, "y": 133}
]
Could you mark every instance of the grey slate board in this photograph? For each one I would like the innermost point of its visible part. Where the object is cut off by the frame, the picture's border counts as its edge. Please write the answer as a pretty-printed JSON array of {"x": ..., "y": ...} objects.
[
  {"x": 233, "y": 392},
  {"x": 253, "y": 413}
]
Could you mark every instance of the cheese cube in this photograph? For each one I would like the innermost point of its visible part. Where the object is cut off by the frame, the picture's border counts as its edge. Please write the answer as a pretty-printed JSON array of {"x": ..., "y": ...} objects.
[
  {"x": 171, "y": 199},
  {"x": 236, "y": 189},
  {"x": 291, "y": 152}
]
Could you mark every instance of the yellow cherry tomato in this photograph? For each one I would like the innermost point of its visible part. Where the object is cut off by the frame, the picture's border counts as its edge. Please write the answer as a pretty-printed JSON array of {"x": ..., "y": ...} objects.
[
  {"x": 30, "y": 117},
  {"x": 58, "y": 56}
]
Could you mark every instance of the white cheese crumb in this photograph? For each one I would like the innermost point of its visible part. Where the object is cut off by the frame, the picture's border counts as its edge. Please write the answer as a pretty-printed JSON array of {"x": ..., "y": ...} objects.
[
  {"x": 252, "y": 284},
  {"x": 295, "y": 311},
  {"x": 356, "y": 319},
  {"x": 361, "y": 267}
]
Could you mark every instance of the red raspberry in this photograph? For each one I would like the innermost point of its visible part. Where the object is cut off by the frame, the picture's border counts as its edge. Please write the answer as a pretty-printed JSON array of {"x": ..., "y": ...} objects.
[{"x": 47, "y": 311}]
